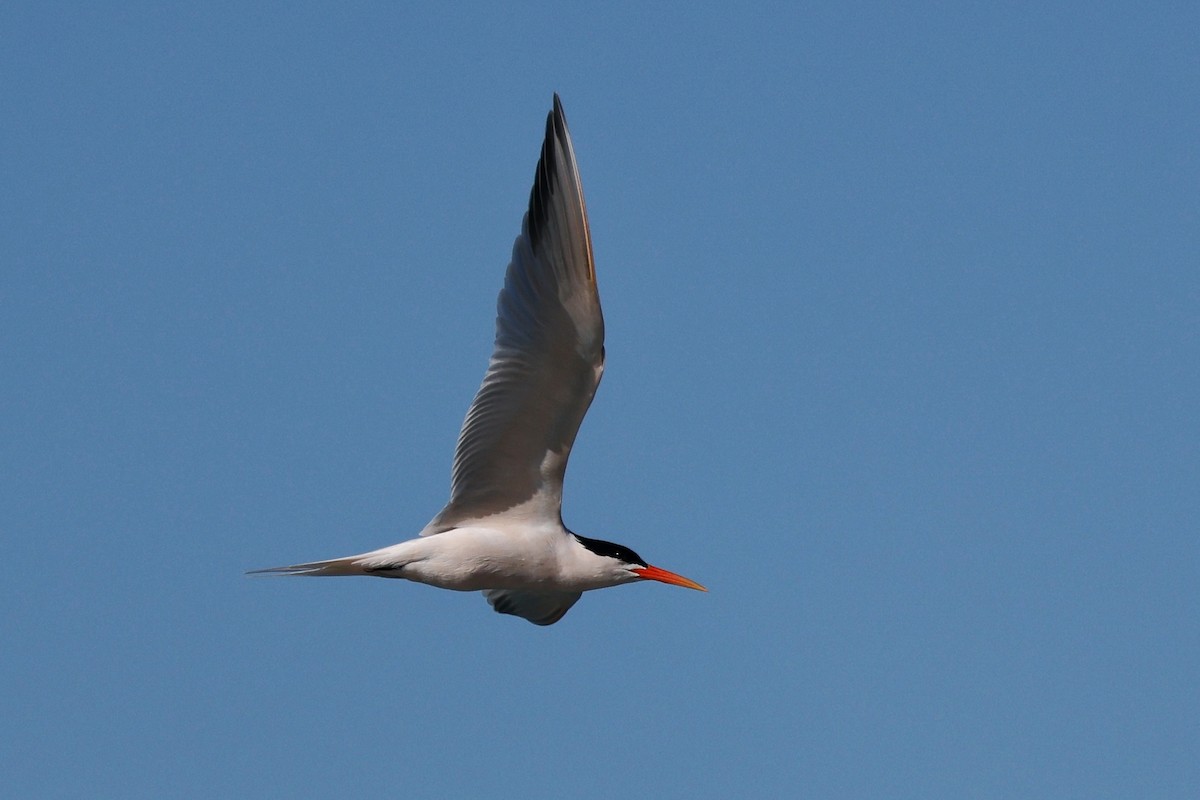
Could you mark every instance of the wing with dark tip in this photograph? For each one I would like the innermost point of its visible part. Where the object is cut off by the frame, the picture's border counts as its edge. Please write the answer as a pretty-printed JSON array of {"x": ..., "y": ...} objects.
[{"x": 548, "y": 357}]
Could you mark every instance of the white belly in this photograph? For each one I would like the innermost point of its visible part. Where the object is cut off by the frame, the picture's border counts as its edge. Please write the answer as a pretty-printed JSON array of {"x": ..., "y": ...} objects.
[{"x": 470, "y": 559}]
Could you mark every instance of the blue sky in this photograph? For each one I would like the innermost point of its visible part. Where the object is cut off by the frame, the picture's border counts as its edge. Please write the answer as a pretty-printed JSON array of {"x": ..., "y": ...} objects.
[{"x": 902, "y": 312}]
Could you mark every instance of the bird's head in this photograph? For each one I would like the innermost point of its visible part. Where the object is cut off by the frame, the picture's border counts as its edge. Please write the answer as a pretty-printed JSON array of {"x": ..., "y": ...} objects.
[{"x": 622, "y": 565}]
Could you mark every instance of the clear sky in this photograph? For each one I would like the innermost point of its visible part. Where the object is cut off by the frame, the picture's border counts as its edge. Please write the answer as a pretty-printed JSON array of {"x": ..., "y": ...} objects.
[{"x": 903, "y": 312}]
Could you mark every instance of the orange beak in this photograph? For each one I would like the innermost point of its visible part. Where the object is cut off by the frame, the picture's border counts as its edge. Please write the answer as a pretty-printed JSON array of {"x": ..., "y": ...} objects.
[{"x": 657, "y": 574}]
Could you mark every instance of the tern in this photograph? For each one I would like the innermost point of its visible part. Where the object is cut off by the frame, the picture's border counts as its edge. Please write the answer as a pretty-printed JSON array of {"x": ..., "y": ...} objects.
[{"x": 502, "y": 532}]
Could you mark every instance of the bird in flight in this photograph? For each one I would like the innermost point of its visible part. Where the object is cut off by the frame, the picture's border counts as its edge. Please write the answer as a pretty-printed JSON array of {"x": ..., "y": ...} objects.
[{"x": 502, "y": 531}]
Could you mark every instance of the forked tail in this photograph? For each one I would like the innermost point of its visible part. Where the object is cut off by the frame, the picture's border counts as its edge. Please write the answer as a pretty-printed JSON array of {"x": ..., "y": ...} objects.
[{"x": 351, "y": 565}]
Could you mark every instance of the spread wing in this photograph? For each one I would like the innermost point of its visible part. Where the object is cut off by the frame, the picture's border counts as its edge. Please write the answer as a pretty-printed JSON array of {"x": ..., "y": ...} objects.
[{"x": 548, "y": 358}]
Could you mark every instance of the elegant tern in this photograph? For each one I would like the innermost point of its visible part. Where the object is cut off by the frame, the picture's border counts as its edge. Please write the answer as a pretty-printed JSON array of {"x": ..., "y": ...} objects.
[{"x": 502, "y": 531}]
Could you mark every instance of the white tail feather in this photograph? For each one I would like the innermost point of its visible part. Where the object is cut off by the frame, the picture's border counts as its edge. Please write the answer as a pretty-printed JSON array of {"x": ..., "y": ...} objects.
[{"x": 351, "y": 565}]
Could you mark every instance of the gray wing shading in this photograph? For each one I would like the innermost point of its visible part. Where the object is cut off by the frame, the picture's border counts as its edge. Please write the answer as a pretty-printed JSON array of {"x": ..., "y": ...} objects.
[
  {"x": 540, "y": 608},
  {"x": 548, "y": 355}
]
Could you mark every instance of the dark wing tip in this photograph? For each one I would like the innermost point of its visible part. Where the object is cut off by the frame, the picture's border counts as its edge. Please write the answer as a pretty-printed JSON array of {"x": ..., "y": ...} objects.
[
  {"x": 557, "y": 172},
  {"x": 546, "y": 176},
  {"x": 556, "y": 124}
]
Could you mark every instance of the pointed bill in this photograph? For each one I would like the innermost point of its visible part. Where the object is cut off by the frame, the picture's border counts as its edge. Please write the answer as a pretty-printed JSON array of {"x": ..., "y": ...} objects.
[{"x": 658, "y": 574}]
